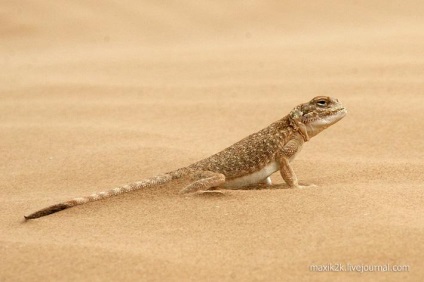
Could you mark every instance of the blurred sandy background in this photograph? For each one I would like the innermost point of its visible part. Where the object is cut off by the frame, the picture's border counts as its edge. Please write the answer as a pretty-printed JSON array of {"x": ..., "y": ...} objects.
[{"x": 94, "y": 94}]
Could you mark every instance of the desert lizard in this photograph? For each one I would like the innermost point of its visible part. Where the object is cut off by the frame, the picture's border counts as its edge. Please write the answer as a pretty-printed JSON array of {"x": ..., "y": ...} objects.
[{"x": 248, "y": 162}]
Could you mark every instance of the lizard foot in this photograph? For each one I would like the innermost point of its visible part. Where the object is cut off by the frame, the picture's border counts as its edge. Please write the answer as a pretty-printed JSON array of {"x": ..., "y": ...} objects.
[{"x": 304, "y": 186}]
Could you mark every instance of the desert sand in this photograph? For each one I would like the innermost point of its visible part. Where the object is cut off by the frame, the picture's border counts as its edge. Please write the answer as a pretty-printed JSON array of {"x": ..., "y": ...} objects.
[{"x": 95, "y": 94}]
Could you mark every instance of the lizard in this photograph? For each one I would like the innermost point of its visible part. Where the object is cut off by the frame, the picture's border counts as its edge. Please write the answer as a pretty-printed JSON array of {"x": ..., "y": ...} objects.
[{"x": 247, "y": 163}]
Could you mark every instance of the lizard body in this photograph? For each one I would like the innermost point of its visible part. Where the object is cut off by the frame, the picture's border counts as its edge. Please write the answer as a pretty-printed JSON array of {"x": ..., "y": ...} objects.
[{"x": 248, "y": 162}]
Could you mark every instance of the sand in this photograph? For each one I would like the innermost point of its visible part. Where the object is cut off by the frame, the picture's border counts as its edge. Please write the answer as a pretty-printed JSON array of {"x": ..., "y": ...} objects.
[{"x": 99, "y": 94}]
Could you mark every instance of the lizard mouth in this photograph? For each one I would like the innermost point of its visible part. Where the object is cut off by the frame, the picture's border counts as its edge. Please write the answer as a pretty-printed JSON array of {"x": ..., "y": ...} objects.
[{"x": 324, "y": 115}]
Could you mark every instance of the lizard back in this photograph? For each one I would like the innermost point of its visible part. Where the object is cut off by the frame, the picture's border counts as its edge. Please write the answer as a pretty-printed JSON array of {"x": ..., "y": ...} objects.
[{"x": 249, "y": 154}]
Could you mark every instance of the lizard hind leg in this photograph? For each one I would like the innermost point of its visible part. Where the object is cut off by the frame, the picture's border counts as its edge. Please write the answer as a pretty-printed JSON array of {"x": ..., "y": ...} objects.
[{"x": 205, "y": 180}]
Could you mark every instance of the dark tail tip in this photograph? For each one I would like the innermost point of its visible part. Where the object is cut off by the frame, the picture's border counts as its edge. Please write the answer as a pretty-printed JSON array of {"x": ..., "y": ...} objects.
[{"x": 47, "y": 211}]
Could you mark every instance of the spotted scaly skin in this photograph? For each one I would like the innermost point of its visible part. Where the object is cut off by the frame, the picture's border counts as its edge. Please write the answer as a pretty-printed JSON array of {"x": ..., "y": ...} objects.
[{"x": 247, "y": 163}]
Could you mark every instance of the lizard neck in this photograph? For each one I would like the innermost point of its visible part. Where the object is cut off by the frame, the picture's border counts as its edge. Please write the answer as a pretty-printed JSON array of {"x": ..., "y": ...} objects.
[{"x": 301, "y": 128}]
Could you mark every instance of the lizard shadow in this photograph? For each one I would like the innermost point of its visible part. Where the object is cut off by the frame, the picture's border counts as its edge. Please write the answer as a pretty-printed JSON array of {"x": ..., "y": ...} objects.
[
  {"x": 261, "y": 187},
  {"x": 225, "y": 192}
]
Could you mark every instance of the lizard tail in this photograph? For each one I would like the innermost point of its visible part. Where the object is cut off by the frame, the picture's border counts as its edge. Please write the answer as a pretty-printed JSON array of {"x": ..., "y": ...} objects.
[{"x": 153, "y": 181}]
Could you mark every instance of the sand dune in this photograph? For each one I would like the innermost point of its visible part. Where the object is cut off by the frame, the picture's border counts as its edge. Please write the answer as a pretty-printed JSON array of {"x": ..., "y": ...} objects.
[{"x": 94, "y": 95}]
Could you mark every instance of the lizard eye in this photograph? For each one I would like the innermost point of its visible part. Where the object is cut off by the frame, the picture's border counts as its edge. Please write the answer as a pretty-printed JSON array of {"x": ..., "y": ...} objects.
[{"x": 322, "y": 103}]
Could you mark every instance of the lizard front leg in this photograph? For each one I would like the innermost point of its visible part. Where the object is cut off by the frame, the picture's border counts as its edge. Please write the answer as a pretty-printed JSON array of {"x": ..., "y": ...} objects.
[
  {"x": 288, "y": 153},
  {"x": 287, "y": 173}
]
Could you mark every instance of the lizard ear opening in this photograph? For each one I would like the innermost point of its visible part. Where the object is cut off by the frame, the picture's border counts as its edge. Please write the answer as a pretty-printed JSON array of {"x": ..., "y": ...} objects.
[{"x": 296, "y": 113}]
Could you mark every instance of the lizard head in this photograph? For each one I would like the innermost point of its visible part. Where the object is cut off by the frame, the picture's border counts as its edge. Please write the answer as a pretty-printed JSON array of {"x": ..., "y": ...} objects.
[{"x": 318, "y": 114}]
